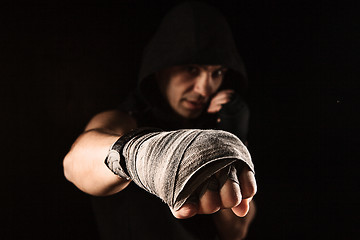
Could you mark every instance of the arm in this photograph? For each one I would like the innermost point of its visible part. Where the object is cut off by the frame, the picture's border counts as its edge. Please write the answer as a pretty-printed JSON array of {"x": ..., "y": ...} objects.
[{"x": 84, "y": 164}]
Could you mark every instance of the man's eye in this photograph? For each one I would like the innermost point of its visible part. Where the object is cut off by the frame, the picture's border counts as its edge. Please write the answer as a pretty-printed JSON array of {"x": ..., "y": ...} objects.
[
  {"x": 218, "y": 73},
  {"x": 192, "y": 70}
]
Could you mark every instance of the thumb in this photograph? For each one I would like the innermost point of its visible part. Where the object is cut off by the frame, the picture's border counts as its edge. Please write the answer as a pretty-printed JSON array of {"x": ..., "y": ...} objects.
[{"x": 243, "y": 208}]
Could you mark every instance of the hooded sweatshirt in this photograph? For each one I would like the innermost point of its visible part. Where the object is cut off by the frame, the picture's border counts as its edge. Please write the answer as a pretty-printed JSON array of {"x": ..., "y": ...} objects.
[{"x": 191, "y": 33}]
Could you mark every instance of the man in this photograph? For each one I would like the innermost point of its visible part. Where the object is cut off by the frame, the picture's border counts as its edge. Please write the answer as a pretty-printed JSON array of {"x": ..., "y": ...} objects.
[{"x": 182, "y": 85}]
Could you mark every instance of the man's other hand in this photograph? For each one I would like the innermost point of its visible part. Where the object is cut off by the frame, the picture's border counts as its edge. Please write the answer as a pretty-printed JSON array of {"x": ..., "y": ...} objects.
[{"x": 219, "y": 99}]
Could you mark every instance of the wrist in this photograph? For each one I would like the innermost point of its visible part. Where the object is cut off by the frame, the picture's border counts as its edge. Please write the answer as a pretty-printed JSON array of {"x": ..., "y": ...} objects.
[{"x": 115, "y": 159}]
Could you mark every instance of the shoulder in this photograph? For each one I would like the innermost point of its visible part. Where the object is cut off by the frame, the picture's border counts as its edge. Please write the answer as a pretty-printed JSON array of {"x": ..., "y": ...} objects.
[{"x": 113, "y": 120}]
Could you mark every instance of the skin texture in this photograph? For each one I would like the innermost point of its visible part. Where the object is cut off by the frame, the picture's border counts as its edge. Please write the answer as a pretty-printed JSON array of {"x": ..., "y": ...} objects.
[{"x": 188, "y": 89}]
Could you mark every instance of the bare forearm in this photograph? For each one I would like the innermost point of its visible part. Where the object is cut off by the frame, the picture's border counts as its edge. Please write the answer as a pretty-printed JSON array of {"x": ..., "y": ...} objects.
[
  {"x": 232, "y": 227},
  {"x": 84, "y": 164}
]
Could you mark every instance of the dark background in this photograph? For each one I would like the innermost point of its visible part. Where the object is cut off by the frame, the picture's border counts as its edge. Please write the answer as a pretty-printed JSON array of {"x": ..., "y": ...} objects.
[{"x": 61, "y": 63}]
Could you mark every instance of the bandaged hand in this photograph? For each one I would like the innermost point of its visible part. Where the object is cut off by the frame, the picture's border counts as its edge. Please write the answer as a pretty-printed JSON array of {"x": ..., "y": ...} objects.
[{"x": 192, "y": 171}]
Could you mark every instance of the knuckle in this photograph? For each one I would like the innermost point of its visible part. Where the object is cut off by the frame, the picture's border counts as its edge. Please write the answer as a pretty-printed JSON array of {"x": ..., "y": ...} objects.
[
  {"x": 248, "y": 184},
  {"x": 230, "y": 195},
  {"x": 210, "y": 203},
  {"x": 209, "y": 208},
  {"x": 231, "y": 201},
  {"x": 251, "y": 190}
]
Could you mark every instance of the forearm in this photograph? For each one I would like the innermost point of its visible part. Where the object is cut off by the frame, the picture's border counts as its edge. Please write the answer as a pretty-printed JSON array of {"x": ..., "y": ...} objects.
[
  {"x": 84, "y": 164},
  {"x": 230, "y": 226}
]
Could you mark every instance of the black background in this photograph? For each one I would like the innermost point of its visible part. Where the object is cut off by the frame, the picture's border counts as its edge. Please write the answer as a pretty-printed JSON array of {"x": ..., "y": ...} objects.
[{"x": 61, "y": 63}]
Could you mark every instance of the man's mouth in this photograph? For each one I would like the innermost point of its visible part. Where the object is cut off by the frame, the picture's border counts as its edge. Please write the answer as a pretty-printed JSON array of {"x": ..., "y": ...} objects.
[{"x": 195, "y": 105}]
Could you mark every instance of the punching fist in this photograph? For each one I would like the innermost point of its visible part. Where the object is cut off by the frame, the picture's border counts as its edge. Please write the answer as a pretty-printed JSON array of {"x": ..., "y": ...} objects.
[
  {"x": 234, "y": 195},
  {"x": 192, "y": 171}
]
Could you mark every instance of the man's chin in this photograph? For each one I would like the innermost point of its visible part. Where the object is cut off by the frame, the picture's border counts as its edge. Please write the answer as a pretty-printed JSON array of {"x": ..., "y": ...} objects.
[{"x": 191, "y": 114}]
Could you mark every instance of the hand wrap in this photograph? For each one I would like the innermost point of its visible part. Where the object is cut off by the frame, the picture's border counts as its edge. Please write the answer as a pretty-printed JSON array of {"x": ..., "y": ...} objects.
[{"x": 172, "y": 165}]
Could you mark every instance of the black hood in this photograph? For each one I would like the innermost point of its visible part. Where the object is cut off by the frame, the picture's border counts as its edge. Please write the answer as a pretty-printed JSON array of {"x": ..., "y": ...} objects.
[{"x": 192, "y": 33}]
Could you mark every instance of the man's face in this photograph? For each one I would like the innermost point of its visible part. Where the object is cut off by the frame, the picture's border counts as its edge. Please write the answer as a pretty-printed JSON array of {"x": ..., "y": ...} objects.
[{"x": 188, "y": 88}]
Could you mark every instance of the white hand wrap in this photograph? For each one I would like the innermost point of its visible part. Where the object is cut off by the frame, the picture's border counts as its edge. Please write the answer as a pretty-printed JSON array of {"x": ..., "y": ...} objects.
[{"x": 172, "y": 165}]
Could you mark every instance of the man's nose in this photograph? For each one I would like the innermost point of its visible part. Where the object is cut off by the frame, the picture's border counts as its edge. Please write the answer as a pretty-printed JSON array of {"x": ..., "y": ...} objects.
[{"x": 203, "y": 85}]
